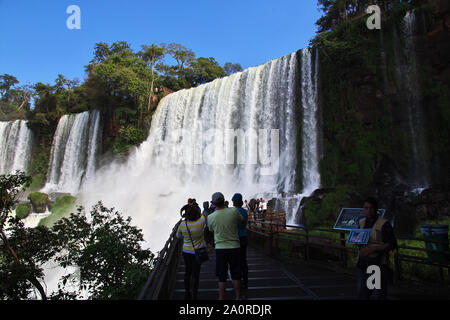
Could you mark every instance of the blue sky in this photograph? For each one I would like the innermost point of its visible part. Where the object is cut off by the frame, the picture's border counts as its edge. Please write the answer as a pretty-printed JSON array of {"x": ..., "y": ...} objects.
[{"x": 36, "y": 45}]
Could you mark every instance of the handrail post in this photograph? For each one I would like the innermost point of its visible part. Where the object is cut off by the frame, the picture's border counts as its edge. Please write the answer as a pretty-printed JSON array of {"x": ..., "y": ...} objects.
[
  {"x": 397, "y": 266},
  {"x": 156, "y": 286},
  {"x": 270, "y": 240},
  {"x": 307, "y": 245},
  {"x": 344, "y": 251}
]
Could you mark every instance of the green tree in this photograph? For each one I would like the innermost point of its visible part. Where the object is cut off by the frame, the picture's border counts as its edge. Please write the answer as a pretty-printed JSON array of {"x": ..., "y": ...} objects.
[
  {"x": 181, "y": 54},
  {"x": 106, "y": 250},
  {"x": 7, "y": 81},
  {"x": 19, "y": 256},
  {"x": 103, "y": 51},
  {"x": 128, "y": 136},
  {"x": 102, "y": 245},
  {"x": 22, "y": 96},
  {"x": 43, "y": 118},
  {"x": 14, "y": 99},
  {"x": 205, "y": 70},
  {"x": 118, "y": 82},
  {"x": 152, "y": 55},
  {"x": 231, "y": 68}
]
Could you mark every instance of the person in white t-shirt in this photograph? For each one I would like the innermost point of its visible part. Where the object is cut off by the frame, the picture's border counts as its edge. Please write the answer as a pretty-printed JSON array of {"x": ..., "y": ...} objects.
[{"x": 263, "y": 208}]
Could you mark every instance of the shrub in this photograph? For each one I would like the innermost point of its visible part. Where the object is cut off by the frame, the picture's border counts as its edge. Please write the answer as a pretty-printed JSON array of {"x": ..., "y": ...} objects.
[
  {"x": 323, "y": 213},
  {"x": 39, "y": 201},
  {"x": 128, "y": 137},
  {"x": 37, "y": 182},
  {"x": 22, "y": 211}
]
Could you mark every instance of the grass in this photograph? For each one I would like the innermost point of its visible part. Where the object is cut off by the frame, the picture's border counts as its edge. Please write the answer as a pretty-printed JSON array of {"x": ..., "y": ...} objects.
[
  {"x": 410, "y": 270},
  {"x": 415, "y": 271}
]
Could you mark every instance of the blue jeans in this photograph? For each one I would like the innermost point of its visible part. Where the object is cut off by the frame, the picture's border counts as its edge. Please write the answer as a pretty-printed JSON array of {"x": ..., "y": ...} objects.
[{"x": 364, "y": 293}]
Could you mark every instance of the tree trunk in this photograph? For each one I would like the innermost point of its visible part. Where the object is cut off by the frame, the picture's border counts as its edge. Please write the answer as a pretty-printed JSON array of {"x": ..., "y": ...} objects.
[
  {"x": 33, "y": 280},
  {"x": 25, "y": 99},
  {"x": 150, "y": 94}
]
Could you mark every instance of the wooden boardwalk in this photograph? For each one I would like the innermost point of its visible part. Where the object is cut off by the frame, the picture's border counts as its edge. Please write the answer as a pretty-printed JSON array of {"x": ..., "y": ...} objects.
[{"x": 270, "y": 279}]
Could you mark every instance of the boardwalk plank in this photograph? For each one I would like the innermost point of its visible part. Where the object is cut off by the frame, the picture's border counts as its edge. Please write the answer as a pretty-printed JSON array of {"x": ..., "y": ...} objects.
[{"x": 270, "y": 279}]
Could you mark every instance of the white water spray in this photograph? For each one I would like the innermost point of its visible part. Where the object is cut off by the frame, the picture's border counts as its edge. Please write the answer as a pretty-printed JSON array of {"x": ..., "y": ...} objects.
[{"x": 235, "y": 134}]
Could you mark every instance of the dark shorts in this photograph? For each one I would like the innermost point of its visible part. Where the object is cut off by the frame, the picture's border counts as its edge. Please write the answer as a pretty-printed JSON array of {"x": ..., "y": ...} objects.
[{"x": 228, "y": 258}]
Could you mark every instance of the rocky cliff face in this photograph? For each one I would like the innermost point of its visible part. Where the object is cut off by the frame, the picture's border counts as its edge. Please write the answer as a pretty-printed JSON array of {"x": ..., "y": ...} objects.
[
  {"x": 385, "y": 101},
  {"x": 432, "y": 39}
]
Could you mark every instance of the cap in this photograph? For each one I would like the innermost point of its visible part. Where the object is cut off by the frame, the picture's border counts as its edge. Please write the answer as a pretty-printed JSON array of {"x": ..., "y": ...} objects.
[
  {"x": 217, "y": 197},
  {"x": 189, "y": 200},
  {"x": 237, "y": 197}
]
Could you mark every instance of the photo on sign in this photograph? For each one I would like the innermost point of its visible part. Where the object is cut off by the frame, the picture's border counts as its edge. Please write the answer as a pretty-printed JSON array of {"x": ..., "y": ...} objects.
[
  {"x": 358, "y": 236},
  {"x": 348, "y": 218}
]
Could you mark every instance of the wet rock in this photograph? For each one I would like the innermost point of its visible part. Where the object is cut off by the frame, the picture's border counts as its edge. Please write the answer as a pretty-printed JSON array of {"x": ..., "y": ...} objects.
[{"x": 39, "y": 202}]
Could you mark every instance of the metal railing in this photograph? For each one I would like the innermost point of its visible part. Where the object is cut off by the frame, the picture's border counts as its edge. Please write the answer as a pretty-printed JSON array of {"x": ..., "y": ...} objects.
[
  {"x": 309, "y": 242},
  {"x": 303, "y": 240},
  {"x": 160, "y": 283}
]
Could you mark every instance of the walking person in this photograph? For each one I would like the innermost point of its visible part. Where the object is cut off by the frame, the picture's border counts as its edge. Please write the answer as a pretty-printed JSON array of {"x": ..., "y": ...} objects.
[
  {"x": 206, "y": 211},
  {"x": 376, "y": 252},
  {"x": 192, "y": 231},
  {"x": 263, "y": 209},
  {"x": 258, "y": 209},
  {"x": 209, "y": 236},
  {"x": 242, "y": 232},
  {"x": 252, "y": 205},
  {"x": 191, "y": 202},
  {"x": 224, "y": 223},
  {"x": 185, "y": 207}
]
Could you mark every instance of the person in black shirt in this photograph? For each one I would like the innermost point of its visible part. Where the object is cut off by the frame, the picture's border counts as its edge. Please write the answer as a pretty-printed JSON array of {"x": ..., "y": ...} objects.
[
  {"x": 376, "y": 252},
  {"x": 191, "y": 202}
]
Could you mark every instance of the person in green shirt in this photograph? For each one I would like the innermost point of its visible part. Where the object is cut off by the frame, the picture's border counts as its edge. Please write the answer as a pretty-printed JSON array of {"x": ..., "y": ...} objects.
[{"x": 224, "y": 223}]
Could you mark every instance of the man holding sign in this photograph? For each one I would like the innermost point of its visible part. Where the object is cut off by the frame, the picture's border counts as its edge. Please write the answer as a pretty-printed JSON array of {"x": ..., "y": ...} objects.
[{"x": 373, "y": 258}]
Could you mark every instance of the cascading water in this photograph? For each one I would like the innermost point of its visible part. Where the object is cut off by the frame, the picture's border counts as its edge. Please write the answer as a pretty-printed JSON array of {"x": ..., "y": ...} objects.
[
  {"x": 74, "y": 152},
  {"x": 309, "y": 150},
  {"x": 16, "y": 142},
  {"x": 197, "y": 128},
  {"x": 311, "y": 177},
  {"x": 415, "y": 115},
  {"x": 407, "y": 75},
  {"x": 235, "y": 134}
]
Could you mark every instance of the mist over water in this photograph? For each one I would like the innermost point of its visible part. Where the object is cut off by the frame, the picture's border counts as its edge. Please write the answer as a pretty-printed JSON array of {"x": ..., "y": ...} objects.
[
  {"x": 235, "y": 134},
  {"x": 240, "y": 133}
]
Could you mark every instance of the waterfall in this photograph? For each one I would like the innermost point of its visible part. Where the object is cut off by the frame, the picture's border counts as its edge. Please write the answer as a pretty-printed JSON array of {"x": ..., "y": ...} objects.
[
  {"x": 74, "y": 152},
  {"x": 309, "y": 135},
  {"x": 414, "y": 100},
  {"x": 407, "y": 78},
  {"x": 310, "y": 160},
  {"x": 193, "y": 131},
  {"x": 94, "y": 143},
  {"x": 16, "y": 142},
  {"x": 234, "y": 134}
]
